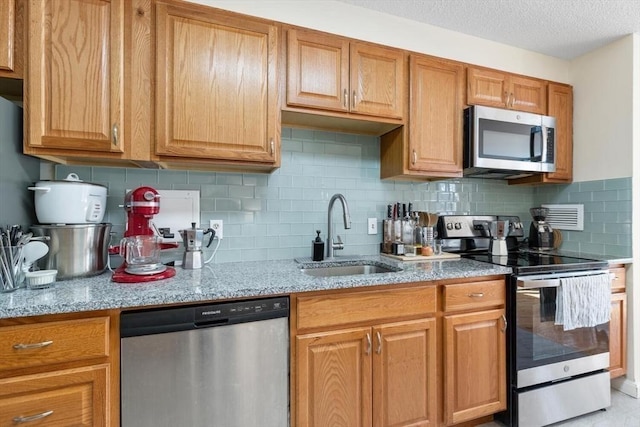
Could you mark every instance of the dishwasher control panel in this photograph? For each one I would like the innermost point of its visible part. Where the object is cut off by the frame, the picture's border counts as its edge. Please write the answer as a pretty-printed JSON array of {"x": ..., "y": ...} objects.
[{"x": 227, "y": 312}]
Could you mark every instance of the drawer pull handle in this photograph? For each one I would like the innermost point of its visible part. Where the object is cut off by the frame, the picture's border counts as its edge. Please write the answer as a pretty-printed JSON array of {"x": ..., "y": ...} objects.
[
  {"x": 20, "y": 420},
  {"x": 476, "y": 295},
  {"x": 31, "y": 346},
  {"x": 379, "y": 348}
]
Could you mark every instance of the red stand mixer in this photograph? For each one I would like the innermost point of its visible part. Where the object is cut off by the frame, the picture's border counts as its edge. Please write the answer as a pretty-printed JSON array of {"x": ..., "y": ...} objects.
[{"x": 140, "y": 247}]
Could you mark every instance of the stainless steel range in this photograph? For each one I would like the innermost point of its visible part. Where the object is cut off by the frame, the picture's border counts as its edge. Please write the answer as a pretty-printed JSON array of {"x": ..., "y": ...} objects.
[{"x": 557, "y": 369}]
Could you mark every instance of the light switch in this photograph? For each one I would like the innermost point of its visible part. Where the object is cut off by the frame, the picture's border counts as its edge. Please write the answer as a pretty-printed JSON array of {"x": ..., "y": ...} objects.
[{"x": 372, "y": 227}]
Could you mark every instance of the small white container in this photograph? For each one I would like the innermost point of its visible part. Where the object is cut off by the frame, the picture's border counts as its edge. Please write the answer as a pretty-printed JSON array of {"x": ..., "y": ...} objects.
[{"x": 40, "y": 279}]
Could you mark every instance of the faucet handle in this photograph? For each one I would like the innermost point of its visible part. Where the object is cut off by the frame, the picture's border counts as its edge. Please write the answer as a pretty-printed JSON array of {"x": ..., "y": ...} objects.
[{"x": 338, "y": 244}]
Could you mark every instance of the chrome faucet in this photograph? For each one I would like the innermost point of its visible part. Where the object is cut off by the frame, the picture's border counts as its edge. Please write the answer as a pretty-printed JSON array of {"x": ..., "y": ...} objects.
[{"x": 331, "y": 246}]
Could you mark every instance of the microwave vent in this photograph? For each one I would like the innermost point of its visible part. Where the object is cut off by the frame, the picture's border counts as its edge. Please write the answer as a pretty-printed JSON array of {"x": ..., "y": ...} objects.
[{"x": 566, "y": 217}]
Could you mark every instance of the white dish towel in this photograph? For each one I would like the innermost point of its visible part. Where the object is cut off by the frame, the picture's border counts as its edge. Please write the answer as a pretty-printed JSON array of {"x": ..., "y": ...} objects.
[{"x": 583, "y": 301}]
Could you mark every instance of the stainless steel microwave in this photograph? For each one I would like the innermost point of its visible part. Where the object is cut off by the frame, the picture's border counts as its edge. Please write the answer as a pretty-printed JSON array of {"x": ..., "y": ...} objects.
[{"x": 507, "y": 144}]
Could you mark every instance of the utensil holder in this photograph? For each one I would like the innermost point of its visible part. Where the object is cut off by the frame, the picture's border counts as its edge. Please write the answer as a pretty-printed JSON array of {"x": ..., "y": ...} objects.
[{"x": 11, "y": 274}]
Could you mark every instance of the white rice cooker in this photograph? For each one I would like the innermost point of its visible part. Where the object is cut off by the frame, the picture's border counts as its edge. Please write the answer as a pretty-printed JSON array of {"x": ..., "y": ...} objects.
[{"x": 69, "y": 201}]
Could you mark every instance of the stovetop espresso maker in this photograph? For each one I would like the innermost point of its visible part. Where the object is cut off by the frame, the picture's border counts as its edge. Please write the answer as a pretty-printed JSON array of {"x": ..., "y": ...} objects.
[{"x": 193, "y": 239}]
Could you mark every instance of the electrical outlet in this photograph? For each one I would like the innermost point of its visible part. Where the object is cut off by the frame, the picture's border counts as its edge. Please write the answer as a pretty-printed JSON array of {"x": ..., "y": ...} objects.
[
  {"x": 216, "y": 224},
  {"x": 372, "y": 228}
]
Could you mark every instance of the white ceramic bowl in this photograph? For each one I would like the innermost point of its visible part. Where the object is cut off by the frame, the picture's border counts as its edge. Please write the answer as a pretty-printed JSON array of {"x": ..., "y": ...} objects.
[{"x": 40, "y": 279}]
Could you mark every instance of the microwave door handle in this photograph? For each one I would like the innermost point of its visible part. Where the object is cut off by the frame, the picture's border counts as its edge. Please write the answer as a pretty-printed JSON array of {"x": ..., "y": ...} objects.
[
  {"x": 544, "y": 143},
  {"x": 532, "y": 143}
]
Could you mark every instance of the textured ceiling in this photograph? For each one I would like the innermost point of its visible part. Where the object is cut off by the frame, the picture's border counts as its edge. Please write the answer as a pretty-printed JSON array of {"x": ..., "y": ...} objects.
[{"x": 560, "y": 28}]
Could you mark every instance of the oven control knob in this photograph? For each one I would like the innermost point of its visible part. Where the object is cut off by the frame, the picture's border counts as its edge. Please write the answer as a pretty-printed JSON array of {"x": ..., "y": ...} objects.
[
  {"x": 566, "y": 368},
  {"x": 449, "y": 226},
  {"x": 458, "y": 226}
]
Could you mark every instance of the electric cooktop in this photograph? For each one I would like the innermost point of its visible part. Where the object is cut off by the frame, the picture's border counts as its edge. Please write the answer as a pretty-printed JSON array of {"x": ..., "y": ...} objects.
[{"x": 532, "y": 262}]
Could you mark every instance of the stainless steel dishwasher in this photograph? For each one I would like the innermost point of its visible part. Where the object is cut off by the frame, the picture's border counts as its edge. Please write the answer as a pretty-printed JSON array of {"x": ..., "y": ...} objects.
[{"x": 223, "y": 364}]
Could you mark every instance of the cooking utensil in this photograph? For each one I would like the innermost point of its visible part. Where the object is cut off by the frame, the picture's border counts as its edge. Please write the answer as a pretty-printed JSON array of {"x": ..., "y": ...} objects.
[
  {"x": 69, "y": 201},
  {"x": 32, "y": 252},
  {"x": 79, "y": 250}
]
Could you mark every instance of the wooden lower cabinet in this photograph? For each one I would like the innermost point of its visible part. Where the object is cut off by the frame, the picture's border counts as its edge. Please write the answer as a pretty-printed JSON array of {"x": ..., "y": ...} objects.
[
  {"x": 60, "y": 370},
  {"x": 383, "y": 375},
  {"x": 475, "y": 381},
  {"x": 74, "y": 397},
  {"x": 618, "y": 324}
]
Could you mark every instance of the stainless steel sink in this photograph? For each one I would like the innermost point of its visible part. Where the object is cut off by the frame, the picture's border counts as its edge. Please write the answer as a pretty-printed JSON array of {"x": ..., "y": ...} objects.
[{"x": 348, "y": 270}]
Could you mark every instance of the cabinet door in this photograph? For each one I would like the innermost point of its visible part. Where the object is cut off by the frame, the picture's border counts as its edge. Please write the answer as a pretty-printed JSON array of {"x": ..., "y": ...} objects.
[
  {"x": 317, "y": 71},
  {"x": 74, "y": 85},
  {"x": 618, "y": 335},
  {"x": 11, "y": 38},
  {"x": 377, "y": 80},
  {"x": 561, "y": 107},
  {"x": 334, "y": 378},
  {"x": 404, "y": 374},
  {"x": 487, "y": 87},
  {"x": 216, "y": 86},
  {"x": 527, "y": 94},
  {"x": 435, "y": 111},
  {"x": 474, "y": 365},
  {"x": 73, "y": 397}
]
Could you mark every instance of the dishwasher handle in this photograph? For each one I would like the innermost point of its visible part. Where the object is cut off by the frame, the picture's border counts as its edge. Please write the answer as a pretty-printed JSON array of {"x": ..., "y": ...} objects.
[{"x": 163, "y": 320}]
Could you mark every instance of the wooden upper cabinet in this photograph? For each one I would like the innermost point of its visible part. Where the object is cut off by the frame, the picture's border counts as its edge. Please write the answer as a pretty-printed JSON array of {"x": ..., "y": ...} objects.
[
  {"x": 332, "y": 73},
  {"x": 216, "y": 85},
  {"x": 561, "y": 107},
  {"x": 435, "y": 116},
  {"x": 74, "y": 85},
  {"x": 503, "y": 90},
  {"x": 430, "y": 144},
  {"x": 317, "y": 70},
  {"x": 11, "y": 38}
]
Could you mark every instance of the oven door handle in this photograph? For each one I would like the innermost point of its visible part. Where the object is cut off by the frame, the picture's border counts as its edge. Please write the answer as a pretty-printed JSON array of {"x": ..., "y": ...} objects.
[
  {"x": 545, "y": 281},
  {"x": 539, "y": 283}
]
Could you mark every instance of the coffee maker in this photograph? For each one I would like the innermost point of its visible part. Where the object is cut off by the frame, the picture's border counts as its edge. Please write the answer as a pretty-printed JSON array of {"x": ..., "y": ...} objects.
[
  {"x": 193, "y": 240},
  {"x": 140, "y": 247},
  {"x": 540, "y": 233}
]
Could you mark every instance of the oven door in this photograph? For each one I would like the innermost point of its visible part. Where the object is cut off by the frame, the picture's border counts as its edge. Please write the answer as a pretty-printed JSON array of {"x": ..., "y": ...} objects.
[{"x": 544, "y": 351}]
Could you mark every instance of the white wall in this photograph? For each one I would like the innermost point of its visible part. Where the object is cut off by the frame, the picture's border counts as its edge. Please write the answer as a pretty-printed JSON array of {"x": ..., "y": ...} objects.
[
  {"x": 364, "y": 24},
  {"x": 603, "y": 113}
]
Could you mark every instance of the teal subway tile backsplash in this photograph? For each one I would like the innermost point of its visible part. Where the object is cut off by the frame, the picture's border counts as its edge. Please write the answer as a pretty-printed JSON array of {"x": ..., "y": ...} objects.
[{"x": 274, "y": 216}]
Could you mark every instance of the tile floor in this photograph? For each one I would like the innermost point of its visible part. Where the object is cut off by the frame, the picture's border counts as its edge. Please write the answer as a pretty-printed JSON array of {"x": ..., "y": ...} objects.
[{"x": 624, "y": 412}]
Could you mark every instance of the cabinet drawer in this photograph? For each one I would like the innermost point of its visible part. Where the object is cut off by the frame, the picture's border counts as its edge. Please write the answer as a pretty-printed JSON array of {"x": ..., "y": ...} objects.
[
  {"x": 74, "y": 397},
  {"x": 477, "y": 295},
  {"x": 340, "y": 309},
  {"x": 46, "y": 343},
  {"x": 618, "y": 283}
]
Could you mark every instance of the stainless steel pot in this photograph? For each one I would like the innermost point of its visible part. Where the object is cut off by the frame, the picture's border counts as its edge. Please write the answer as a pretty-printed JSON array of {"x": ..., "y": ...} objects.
[{"x": 79, "y": 250}]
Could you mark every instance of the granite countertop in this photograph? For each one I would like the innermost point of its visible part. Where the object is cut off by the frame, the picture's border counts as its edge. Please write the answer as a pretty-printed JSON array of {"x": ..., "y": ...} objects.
[{"x": 223, "y": 281}]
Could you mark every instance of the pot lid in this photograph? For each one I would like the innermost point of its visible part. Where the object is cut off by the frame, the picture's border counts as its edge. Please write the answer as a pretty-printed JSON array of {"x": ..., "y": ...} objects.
[{"x": 72, "y": 178}]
